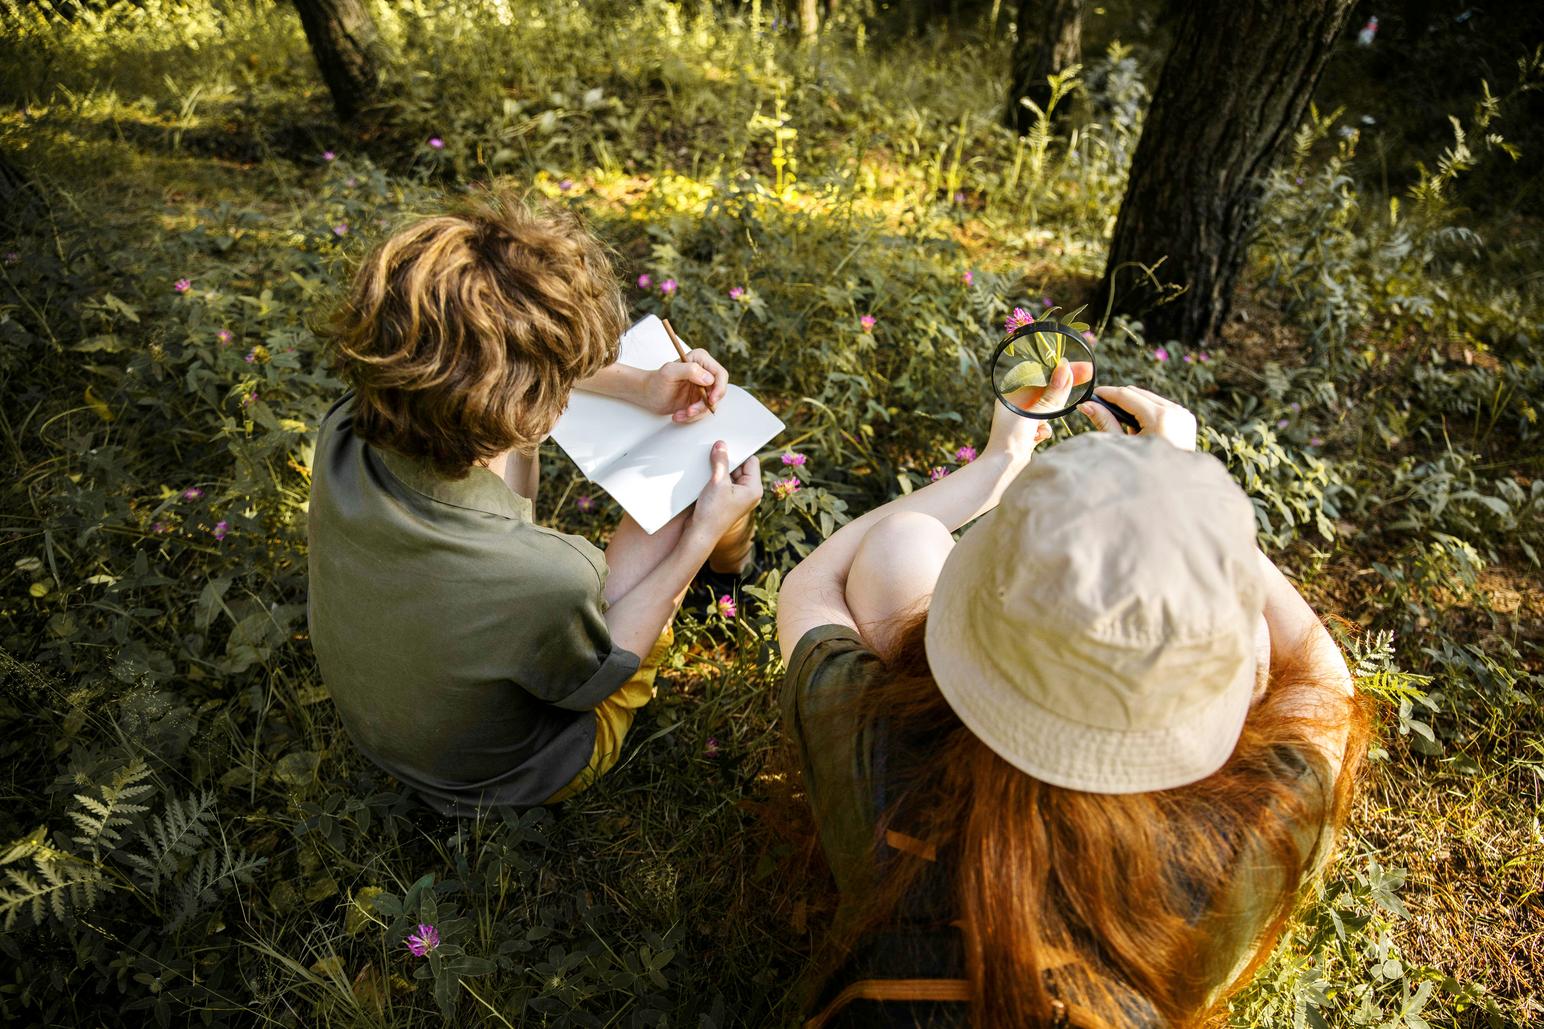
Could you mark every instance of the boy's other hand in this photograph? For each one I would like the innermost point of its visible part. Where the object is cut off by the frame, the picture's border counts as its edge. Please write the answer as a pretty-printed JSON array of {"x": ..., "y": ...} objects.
[
  {"x": 1158, "y": 416},
  {"x": 727, "y": 496},
  {"x": 676, "y": 388}
]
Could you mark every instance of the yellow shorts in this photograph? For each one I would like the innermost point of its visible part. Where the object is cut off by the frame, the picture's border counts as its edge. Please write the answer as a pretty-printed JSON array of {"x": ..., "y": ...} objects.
[{"x": 614, "y": 716}]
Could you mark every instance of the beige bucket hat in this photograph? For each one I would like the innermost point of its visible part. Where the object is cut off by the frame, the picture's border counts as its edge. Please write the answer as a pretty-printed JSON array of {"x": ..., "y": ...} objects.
[{"x": 1097, "y": 630}]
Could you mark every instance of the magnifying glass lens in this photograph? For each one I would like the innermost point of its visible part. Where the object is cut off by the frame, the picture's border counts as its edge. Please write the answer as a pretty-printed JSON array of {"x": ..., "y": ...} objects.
[{"x": 1022, "y": 373}]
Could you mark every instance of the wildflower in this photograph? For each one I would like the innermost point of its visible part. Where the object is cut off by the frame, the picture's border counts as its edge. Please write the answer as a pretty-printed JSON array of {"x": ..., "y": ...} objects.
[
  {"x": 1161, "y": 355},
  {"x": 251, "y": 357},
  {"x": 351, "y": 182},
  {"x": 965, "y": 455},
  {"x": 796, "y": 460},
  {"x": 192, "y": 493},
  {"x": 220, "y": 529},
  {"x": 427, "y": 938},
  {"x": 1089, "y": 337},
  {"x": 959, "y": 196},
  {"x": 12, "y": 257},
  {"x": 1045, "y": 301},
  {"x": 249, "y": 399},
  {"x": 160, "y": 528},
  {"x": 937, "y": 473},
  {"x": 667, "y": 287},
  {"x": 1205, "y": 357},
  {"x": 1189, "y": 358},
  {"x": 644, "y": 281},
  {"x": 328, "y": 155},
  {"x": 182, "y": 285},
  {"x": 566, "y": 185},
  {"x": 711, "y": 749},
  {"x": 341, "y": 229},
  {"x": 585, "y": 504},
  {"x": 1282, "y": 423},
  {"x": 1295, "y": 407},
  {"x": 225, "y": 336},
  {"x": 436, "y": 143},
  {"x": 727, "y": 606},
  {"x": 782, "y": 489},
  {"x": 736, "y": 292},
  {"x": 970, "y": 277},
  {"x": 1316, "y": 441},
  {"x": 1018, "y": 319},
  {"x": 868, "y": 322}
]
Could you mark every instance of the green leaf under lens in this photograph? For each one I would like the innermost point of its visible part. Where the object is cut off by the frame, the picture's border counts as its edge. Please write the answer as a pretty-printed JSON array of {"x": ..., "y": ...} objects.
[{"x": 1022, "y": 376}]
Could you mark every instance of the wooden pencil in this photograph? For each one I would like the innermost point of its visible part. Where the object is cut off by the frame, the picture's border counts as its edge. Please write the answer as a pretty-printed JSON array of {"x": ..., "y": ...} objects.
[{"x": 707, "y": 391}]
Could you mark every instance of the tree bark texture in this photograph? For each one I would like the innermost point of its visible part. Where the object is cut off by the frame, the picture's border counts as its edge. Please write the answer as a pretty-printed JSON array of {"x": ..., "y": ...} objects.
[
  {"x": 1232, "y": 91},
  {"x": 1050, "y": 40},
  {"x": 809, "y": 19},
  {"x": 347, "y": 49}
]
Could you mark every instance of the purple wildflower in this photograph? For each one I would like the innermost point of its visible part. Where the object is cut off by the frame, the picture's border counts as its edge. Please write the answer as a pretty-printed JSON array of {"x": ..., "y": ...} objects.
[
  {"x": 1188, "y": 358},
  {"x": 192, "y": 493},
  {"x": 182, "y": 285},
  {"x": 220, "y": 529},
  {"x": 1017, "y": 319},
  {"x": 959, "y": 196},
  {"x": 585, "y": 503},
  {"x": 645, "y": 281},
  {"x": 970, "y": 277},
  {"x": 1316, "y": 441},
  {"x": 1161, "y": 354},
  {"x": 249, "y": 399},
  {"x": 251, "y": 356},
  {"x": 796, "y": 460},
  {"x": 727, "y": 606},
  {"x": 12, "y": 257},
  {"x": 1045, "y": 301},
  {"x": 1205, "y": 357},
  {"x": 937, "y": 473},
  {"x": 1089, "y": 337},
  {"x": 160, "y": 528},
  {"x": 341, "y": 229},
  {"x": 667, "y": 287},
  {"x": 436, "y": 143},
  {"x": 1282, "y": 423},
  {"x": 868, "y": 322},
  {"x": 350, "y": 182},
  {"x": 566, "y": 184},
  {"x": 225, "y": 336},
  {"x": 427, "y": 938},
  {"x": 965, "y": 455},
  {"x": 711, "y": 749},
  {"x": 328, "y": 155},
  {"x": 782, "y": 489},
  {"x": 736, "y": 292}
]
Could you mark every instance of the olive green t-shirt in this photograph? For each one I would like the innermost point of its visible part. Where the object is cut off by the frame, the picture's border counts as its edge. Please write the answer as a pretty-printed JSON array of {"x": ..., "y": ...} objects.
[
  {"x": 844, "y": 758},
  {"x": 464, "y": 645}
]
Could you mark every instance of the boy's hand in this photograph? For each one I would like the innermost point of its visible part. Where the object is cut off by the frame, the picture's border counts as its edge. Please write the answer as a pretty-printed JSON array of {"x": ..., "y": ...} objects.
[
  {"x": 676, "y": 388},
  {"x": 1157, "y": 415},
  {"x": 727, "y": 496},
  {"x": 1018, "y": 436}
]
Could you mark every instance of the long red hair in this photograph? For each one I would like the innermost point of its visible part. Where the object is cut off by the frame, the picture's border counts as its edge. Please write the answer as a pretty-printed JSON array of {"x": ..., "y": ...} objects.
[{"x": 1099, "y": 893}]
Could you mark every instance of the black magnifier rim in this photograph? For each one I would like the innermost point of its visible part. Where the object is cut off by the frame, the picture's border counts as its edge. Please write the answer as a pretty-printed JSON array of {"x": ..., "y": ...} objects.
[{"x": 1026, "y": 330}]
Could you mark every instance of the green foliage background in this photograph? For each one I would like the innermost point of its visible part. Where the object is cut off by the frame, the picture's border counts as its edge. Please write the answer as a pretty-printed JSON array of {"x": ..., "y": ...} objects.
[{"x": 190, "y": 838}]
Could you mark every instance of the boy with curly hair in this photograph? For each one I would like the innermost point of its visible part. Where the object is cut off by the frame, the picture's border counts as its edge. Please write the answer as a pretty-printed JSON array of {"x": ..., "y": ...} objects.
[{"x": 477, "y": 656}]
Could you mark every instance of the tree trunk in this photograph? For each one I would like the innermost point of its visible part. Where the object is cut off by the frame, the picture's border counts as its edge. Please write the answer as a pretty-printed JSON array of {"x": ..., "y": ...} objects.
[
  {"x": 1232, "y": 91},
  {"x": 809, "y": 20},
  {"x": 1050, "y": 40},
  {"x": 348, "y": 51}
]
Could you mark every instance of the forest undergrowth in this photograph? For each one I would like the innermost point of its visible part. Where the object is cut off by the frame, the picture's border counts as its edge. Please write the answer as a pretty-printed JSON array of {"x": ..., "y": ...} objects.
[{"x": 189, "y": 837}]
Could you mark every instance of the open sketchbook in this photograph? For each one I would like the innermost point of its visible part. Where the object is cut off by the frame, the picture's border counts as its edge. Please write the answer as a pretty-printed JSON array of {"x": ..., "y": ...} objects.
[{"x": 652, "y": 466}]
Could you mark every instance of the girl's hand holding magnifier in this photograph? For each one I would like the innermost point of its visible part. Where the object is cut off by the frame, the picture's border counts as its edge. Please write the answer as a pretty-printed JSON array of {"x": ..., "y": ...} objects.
[
  {"x": 1017, "y": 436},
  {"x": 1157, "y": 415}
]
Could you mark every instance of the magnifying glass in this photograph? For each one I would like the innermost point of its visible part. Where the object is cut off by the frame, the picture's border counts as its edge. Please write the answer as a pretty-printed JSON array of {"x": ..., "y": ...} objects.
[{"x": 1022, "y": 365}]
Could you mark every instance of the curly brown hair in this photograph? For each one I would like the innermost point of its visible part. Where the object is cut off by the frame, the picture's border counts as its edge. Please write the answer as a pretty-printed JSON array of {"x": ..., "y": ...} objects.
[{"x": 463, "y": 333}]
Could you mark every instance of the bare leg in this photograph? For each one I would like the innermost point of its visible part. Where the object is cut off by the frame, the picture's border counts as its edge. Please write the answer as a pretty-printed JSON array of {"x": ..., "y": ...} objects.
[
  {"x": 893, "y": 574},
  {"x": 733, "y": 552},
  {"x": 632, "y": 553}
]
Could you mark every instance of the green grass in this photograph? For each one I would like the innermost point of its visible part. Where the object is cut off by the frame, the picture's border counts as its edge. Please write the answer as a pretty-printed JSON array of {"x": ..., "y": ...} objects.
[{"x": 1376, "y": 399}]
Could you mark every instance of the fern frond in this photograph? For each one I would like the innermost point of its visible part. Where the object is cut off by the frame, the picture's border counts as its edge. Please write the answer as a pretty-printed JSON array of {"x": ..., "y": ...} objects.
[
  {"x": 216, "y": 870},
  {"x": 63, "y": 886},
  {"x": 101, "y": 820},
  {"x": 173, "y": 836}
]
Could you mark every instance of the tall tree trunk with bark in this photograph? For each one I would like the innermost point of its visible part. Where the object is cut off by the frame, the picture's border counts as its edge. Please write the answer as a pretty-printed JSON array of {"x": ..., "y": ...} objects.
[
  {"x": 809, "y": 20},
  {"x": 1050, "y": 40},
  {"x": 348, "y": 51},
  {"x": 1232, "y": 91}
]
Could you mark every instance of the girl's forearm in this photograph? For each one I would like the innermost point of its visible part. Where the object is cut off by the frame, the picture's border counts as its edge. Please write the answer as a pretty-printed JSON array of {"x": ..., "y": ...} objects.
[{"x": 637, "y": 619}]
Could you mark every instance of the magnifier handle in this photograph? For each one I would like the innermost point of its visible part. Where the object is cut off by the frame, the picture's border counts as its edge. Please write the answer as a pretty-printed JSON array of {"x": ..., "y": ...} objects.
[{"x": 1121, "y": 414}]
